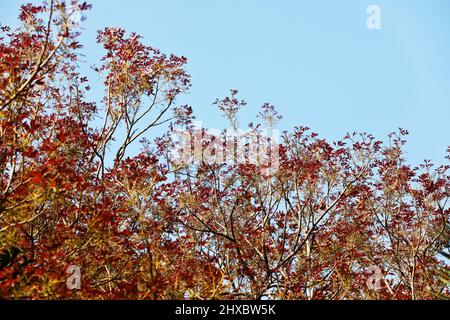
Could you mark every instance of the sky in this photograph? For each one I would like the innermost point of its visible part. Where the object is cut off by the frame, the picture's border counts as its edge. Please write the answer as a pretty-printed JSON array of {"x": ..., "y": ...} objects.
[{"x": 316, "y": 61}]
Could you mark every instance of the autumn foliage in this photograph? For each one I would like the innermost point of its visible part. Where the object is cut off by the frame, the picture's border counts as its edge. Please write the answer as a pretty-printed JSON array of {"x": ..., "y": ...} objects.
[{"x": 142, "y": 227}]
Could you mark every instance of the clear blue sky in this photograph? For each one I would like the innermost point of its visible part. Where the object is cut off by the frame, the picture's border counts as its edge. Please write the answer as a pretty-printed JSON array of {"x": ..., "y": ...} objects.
[{"x": 315, "y": 60}]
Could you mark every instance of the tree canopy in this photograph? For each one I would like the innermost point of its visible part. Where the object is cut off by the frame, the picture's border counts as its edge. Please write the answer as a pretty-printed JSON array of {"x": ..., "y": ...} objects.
[{"x": 333, "y": 214}]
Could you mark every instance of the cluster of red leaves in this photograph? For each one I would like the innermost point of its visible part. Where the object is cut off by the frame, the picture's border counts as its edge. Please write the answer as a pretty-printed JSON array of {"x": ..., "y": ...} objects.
[{"x": 144, "y": 228}]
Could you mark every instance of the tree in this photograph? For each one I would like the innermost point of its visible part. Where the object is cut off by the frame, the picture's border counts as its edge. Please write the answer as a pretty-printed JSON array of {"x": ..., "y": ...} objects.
[{"x": 308, "y": 219}]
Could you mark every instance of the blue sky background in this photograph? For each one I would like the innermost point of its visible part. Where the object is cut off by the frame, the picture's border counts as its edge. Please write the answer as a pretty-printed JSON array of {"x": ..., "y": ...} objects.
[{"x": 316, "y": 61}]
